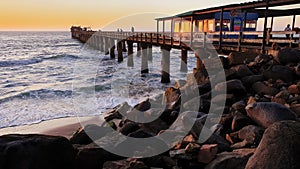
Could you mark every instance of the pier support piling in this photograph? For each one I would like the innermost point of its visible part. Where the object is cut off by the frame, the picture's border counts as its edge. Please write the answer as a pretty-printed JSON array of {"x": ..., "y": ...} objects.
[
  {"x": 124, "y": 46},
  {"x": 130, "y": 62},
  {"x": 150, "y": 57},
  {"x": 120, "y": 52},
  {"x": 183, "y": 65},
  {"x": 144, "y": 64},
  {"x": 138, "y": 50},
  {"x": 165, "y": 64},
  {"x": 106, "y": 46},
  {"x": 101, "y": 44},
  {"x": 112, "y": 49}
]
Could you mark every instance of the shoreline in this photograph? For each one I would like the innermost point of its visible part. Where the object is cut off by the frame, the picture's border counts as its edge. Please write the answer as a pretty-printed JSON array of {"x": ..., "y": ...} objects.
[{"x": 65, "y": 126}]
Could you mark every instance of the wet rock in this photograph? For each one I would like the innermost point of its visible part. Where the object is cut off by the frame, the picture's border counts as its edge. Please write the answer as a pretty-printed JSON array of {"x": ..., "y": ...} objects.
[
  {"x": 236, "y": 58},
  {"x": 262, "y": 89},
  {"x": 93, "y": 157},
  {"x": 239, "y": 106},
  {"x": 223, "y": 99},
  {"x": 116, "y": 113},
  {"x": 262, "y": 59},
  {"x": 279, "y": 147},
  {"x": 233, "y": 87},
  {"x": 172, "y": 98},
  {"x": 276, "y": 72},
  {"x": 245, "y": 151},
  {"x": 207, "y": 153},
  {"x": 265, "y": 113},
  {"x": 296, "y": 109},
  {"x": 36, "y": 152},
  {"x": 160, "y": 161},
  {"x": 125, "y": 164},
  {"x": 143, "y": 106},
  {"x": 229, "y": 160},
  {"x": 294, "y": 89},
  {"x": 88, "y": 133},
  {"x": 129, "y": 127},
  {"x": 250, "y": 80},
  {"x": 242, "y": 71},
  {"x": 288, "y": 55},
  {"x": 250, "y": 136},
  {"x": 179, "y": 83},
  {"x": 141, "y": 133},
  {"x": 239, "y": 121}
]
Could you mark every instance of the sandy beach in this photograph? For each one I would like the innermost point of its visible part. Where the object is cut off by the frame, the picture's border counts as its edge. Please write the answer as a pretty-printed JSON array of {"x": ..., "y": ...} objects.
[{"x": 57, "y": 127}]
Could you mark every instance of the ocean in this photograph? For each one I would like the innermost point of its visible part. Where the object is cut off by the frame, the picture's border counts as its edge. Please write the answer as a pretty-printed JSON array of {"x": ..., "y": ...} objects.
[{"x": 44, "y": 75}]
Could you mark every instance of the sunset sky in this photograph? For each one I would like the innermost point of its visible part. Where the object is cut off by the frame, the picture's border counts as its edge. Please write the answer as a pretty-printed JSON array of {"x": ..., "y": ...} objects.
[{"x": 61, "y": 14}]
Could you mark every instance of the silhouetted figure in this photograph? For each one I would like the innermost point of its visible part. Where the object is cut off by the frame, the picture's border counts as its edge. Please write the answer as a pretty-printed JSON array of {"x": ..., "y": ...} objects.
[
  {"x": 132, "y": 29},
  {"x": 288, "y": 28}
]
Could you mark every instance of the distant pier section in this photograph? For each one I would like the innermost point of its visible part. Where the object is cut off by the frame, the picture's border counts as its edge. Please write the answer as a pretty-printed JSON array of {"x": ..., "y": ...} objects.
[{"x": 225, "y": 29}]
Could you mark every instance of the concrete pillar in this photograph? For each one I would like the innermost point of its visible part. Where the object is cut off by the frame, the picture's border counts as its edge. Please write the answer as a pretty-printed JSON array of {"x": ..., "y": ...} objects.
[
  {"x": 112, "y": 49},
  {"x": 184, "y": 55},
  {"x": 130, "y": 62},
  {"x": 124, "y": 46},
  {"x": 165, "y": 64},
  {"x": 150, "y": 57},
  {"x": 101, "y": 44},
  {"x": 199, "y": 53},
  {"x": 106, "y": 46},
  {"x": 144, "y": 64},
  {"x": 120, "y": 52},
  {"x": 138, "y": 53}
]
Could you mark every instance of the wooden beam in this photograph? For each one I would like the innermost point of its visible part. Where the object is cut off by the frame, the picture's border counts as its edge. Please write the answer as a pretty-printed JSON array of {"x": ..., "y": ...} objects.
[
  {"x": 130, "y": 62},
  {"x": 184, "y": 55},
  {"x": 165, "y": 64},
  {"x": 144, "y": 64}
]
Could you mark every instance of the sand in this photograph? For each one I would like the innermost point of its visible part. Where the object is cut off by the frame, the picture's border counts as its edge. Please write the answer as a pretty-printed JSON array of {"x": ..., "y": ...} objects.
[{"x": 57, "y": 127}]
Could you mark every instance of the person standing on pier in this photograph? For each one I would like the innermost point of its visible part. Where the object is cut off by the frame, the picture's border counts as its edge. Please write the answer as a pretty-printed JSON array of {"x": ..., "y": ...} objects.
[
  {"x": 132, "y": 29},
  {"x": 288, "y": 28}
]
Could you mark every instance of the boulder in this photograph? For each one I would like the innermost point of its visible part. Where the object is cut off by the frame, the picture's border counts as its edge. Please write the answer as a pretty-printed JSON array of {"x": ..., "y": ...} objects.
[
  {"x": 279, "y": 147},
  {"x": 242, "y": 71},
  {"x": 239, "y": 121},
  {"x": 276, "y": 72},
  {"x": 229, "y": 160},
  {"x": 288, "y": 55},
  {"x": 93, "y": 157},
  {"x": 294, "y": 89},
  {"x": 125, "y": 164},
  {"x": 207, "y": 153},
  {"x": 235, "y": 87},
  {"x": 36, "y": 152},
  {"x": 250, "y": 136},
  {"x": 236, "y": 58},
  {"x": 296, "y": 109},
  {"x": 262, "y": 89},
  {"x": 88, "y": 133},
  {"x": 250, "y": 80},
  {"x": 267, "y": 113}
]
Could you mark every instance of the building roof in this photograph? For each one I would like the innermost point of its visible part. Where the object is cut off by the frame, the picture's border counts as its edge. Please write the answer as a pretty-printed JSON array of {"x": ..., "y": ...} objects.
[{"x": 247, "y": 6}]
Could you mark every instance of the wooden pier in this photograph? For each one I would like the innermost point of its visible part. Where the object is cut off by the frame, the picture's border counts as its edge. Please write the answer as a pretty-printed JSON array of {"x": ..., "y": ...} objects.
[{"x": 223, "y": 41}]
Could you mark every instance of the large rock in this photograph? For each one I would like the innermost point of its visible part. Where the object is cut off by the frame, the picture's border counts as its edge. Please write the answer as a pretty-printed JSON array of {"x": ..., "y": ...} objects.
[
  {"x": 250, "y": 80},
  {"x": 125, "y": 164},
  {"x": 288, "y": 55},
  {"x": 280, "y": 72},
  {"x": 36, "y": 152},
  {"x": 279, "y": 147},
  {"x": 229, "y": 160},
  {"x": 266, "y": 113},
  {"x": 93, "y": 157},
  {"x": 88, "y": 133},
  {"x": 233, "y": 87},
  {"x": 262, "y": 89},
  {"x": 236, "y": 58},
  {"x": 242, "y": 71}
]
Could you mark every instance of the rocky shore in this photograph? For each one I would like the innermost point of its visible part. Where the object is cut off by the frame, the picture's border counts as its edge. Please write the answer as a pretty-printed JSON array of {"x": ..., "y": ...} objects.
[{"x": 258, "y": 127}]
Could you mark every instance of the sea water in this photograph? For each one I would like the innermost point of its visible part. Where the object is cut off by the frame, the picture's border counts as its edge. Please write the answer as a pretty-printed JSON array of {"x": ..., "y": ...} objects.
[{"x": 42, "y": 75}]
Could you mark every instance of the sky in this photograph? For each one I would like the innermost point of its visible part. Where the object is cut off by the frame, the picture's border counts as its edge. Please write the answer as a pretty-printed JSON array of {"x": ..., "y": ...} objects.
[{"x": 98, "y": 14}]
